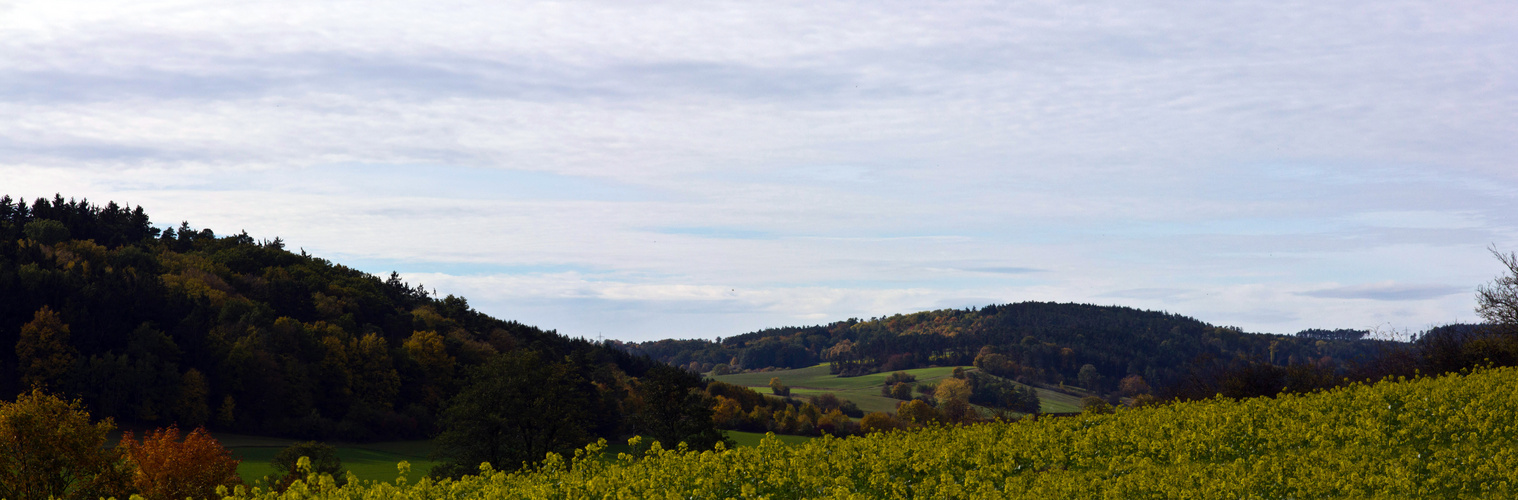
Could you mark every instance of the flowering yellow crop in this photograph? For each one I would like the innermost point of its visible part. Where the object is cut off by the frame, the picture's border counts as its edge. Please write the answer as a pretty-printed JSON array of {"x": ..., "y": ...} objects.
[{"x": 1446, "y": 437}]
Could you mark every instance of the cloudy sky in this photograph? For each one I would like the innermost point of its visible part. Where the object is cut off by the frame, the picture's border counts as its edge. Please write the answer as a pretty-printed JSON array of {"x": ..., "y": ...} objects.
[{"x": 646, "y": 170}]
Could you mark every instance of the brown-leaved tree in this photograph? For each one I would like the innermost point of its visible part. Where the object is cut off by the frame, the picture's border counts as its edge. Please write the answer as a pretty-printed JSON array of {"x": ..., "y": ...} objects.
[{"x": 168, "y": 468}]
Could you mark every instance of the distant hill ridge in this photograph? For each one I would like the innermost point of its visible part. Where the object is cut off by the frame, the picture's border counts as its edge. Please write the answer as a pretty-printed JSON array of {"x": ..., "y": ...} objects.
[{"x": 1033, "y": 342}]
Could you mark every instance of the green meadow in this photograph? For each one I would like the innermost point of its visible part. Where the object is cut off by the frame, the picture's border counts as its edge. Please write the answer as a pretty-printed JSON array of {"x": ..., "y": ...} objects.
[
  {"x": 864, "y": 390},
  {"x": 377, "y": 461},
  {"x": 368, "y": 461}
]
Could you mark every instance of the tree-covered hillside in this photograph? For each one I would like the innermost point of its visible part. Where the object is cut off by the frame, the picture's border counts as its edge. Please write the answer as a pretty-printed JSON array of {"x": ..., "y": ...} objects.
[
  {"x": 183, "y": 325},
  {"x": 1033, "y": 342}
]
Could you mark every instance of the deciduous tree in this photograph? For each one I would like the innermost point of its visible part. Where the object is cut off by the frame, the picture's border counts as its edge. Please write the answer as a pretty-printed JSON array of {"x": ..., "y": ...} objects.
[
  {"x": 168, "y": 468},
  {"x": 727, "y": 412},
  {"x": 1133, "y": 385},
  {"x": 1497, "y": 302},
  {"x": 958, "y": 411},
  {"x": 427, "y": 349},
  {"x": 836, "y": 423},
  {"x": 43, "y": 351},
  {"x": 917, "y": 412},
  {"x": 517, "y": 408},
  {"x": 50, "y": 449},
  {"x": 191, "y": 407},
  {"x": 1026, "y": 400},
  {"x": 879, "y": 422},
  {"x": 1090, "y": 378},
  {"x": 952, "y": 389},
  {"x": 778, "y": 388},
  {"x": 375, "y": 381},
  {"x": 676, "y": 410},
  {"x": 995, "y": 363},
  {"x": 46, "y": 231}
]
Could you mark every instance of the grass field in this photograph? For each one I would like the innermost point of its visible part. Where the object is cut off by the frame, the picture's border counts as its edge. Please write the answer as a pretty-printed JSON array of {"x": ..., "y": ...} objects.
[
  {"x": 864, "y": 390},
  {"x": 752, "y": 438},
  {"x": 867, "y": 399},
  {"x": 376, "y": 461},
  {"x": 368, "y": 461},
  {"x": 817, "y": 377},
  {"x": 1050, "y": 401}
]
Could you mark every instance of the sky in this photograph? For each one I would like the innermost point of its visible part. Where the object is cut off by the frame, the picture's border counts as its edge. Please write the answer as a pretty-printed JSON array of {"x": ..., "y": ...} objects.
[{"x": 646, "y": 170}]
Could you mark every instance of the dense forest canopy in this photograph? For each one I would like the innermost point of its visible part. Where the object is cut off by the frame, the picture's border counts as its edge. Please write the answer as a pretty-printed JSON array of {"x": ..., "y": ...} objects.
[{"x": 181, "y": 325}]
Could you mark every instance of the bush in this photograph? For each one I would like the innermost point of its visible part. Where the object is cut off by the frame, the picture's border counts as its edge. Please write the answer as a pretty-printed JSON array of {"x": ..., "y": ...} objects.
[
  {"x": 324, "y": 460},
  {"x": 1095, "y": 405}
]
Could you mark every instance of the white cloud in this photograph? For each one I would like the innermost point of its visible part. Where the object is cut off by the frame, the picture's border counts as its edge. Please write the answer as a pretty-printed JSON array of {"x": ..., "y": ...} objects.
[
  {"x": 816, "y": 160},
  {"x": 1387, "y": 291}
]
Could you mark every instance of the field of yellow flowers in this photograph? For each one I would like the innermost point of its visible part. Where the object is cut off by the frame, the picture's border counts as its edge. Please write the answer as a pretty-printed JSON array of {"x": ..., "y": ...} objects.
[{"x": 1446, "y": 437}]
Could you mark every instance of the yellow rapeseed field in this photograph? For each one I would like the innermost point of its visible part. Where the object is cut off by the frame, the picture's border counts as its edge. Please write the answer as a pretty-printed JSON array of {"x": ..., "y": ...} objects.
[{"x": 1445, "y": 437}]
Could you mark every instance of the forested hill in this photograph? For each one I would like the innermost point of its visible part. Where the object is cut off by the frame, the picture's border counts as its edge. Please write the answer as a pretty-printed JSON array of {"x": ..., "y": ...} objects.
[
  {"x": 160, "y": 326},
  {"x": 1035, "y": 342}
]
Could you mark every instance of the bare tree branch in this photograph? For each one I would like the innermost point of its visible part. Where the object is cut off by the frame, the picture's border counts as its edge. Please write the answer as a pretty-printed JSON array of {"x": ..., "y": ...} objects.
[{"x": 1497, "y": 302}]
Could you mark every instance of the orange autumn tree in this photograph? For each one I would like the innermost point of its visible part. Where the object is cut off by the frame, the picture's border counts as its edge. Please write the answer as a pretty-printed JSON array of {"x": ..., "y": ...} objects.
[{"x": 168, "y": 468}]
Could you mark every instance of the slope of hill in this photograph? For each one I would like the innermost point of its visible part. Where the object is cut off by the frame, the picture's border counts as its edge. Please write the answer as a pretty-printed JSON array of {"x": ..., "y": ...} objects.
[
  {"x": 155, "y": 326},
  {"x": 1033, "y": 342}
]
